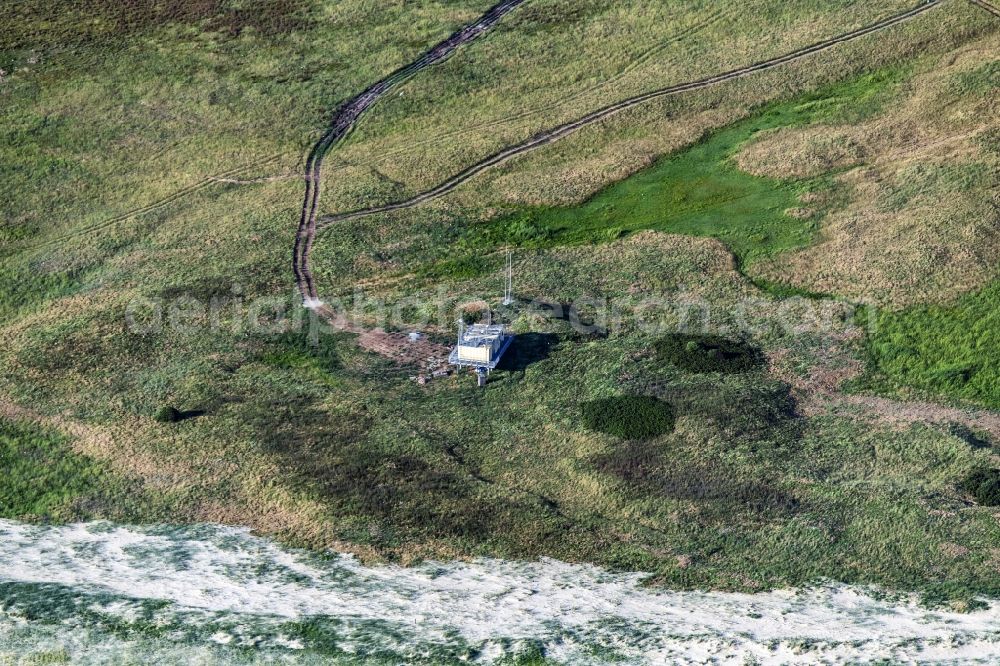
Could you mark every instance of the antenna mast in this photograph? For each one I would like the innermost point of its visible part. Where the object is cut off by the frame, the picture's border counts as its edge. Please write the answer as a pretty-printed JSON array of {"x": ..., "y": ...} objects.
[{"x": 508, "y": 294}]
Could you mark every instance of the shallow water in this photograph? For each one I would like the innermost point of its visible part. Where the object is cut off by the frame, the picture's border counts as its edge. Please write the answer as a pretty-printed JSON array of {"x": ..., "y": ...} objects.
[{"x": 102, "y": 593}]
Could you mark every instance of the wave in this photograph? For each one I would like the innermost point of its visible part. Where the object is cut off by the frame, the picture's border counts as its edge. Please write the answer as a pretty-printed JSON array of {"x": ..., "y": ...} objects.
[{"x": 105, "y": 593}]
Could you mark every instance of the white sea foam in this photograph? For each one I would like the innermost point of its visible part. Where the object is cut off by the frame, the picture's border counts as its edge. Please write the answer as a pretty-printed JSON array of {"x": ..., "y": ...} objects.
[{"x": 573, "y": 612}]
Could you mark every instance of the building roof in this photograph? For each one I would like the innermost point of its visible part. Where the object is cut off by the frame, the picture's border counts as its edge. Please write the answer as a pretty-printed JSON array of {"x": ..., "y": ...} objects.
[
  {"x": 485, "y": 344},
  {"x": 483, "y": 335}
]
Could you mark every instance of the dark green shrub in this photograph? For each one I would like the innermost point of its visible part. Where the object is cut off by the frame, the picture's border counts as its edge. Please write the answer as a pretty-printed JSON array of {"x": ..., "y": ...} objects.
[
  {"x": 475, "y": 316},
  {"x": 629, "y": 416},
  {"x": 984, "y": 485},
  {"x": 168, "y": 414},
  {"x": 708, "y": 353}
]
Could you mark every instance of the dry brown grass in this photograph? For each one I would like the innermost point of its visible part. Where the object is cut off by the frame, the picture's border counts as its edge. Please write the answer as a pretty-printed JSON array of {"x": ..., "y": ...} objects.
[
  {"x": 802, "y": 152},
  {"x": 450, "y": 119},
  {"x": 899, "y": 242},
  {"x": 648, "y": 263},
  {"x": 903, "y": 414}
]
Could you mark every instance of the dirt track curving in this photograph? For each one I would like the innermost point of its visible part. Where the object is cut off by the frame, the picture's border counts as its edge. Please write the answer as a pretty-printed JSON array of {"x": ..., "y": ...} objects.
[
  {"x": 644, "y": 57},
  {"x": 344, "y": 120},
  {"x": 561, "y": 131}
]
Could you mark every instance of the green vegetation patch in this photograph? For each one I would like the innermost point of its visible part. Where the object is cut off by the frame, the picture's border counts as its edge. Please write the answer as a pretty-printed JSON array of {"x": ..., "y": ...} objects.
[
  {"x": 946, "y": 350},
  {"x": 629, "y": 416},
  {"x": 42, "y": 478},
  {"x": 708, "y": 353},
  {"x": 24, "y": 287},
  {"x": 984, "y": 485},
  {"x": 459, "y": 268},
  {"x": 701, "y": 192},
  {"x": 305, "y": 348}
]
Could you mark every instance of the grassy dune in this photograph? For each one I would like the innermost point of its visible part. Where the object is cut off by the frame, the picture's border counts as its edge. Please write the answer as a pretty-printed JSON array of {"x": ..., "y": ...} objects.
[
  {"x": 894, "y": 244},
  {"x": 752, "y": 481}
]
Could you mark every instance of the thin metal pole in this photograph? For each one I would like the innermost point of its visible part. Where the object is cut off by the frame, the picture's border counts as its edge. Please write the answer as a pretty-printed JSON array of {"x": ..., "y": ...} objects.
[{"x": 508, "y": 294}]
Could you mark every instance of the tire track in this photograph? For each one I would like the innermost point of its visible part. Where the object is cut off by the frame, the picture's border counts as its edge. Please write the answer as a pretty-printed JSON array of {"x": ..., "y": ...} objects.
[
  {"x": 632, "y": 66},
  {"x": 228, "y": 176},
  {"x": 344, "y": 120},
  {"x": 155, "y": 205},
  {"x": 256, "y": 181},
  {"x": 561, "y": 131},
  {"x": 987, "y": 6}
]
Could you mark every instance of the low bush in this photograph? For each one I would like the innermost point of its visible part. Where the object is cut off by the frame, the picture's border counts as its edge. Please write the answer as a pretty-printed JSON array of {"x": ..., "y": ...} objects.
[
  {"x": 708, "y": 353},
  {"x": 168, "y": 414},
  {"x": 984, "y": 485},
  {"x": 629, "y": 416}
]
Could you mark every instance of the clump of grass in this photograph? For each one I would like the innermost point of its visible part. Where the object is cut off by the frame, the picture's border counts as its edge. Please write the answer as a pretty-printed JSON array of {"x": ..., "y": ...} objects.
[
  {"x": 23, "y": 288},
  {"x": 473, "y": 315},
  {"x": 629, "y": 416},
  {"x": 708, "y": 353},
  {"x": 984, "y": 485},
  {"x": 978, "y": 81},
  {"x": 931, "y": 181},
  {"x": 203, "y": 289},
  {"x": 459, "y": 268},
  {"x": 300, "y": 348}
]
